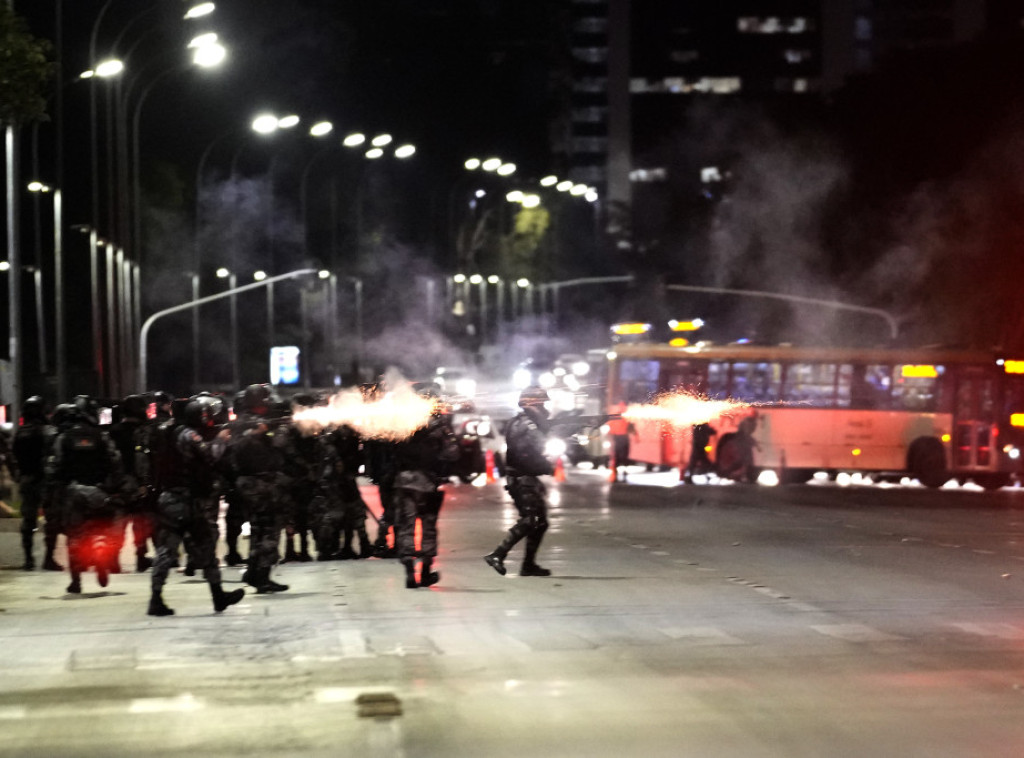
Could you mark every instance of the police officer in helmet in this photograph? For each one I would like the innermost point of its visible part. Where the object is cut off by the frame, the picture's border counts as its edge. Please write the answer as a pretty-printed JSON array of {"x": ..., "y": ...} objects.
[
  {"x": 525, "y": 462},
  {"x": 189, "y": 504}
]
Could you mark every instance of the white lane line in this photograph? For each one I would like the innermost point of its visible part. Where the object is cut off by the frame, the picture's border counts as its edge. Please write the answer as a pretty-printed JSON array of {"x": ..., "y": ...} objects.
[
  {"x": 705, "y": 635},
  {"x": 853, "y": 632},
  {"x": 1002, "y": 631},
  {"x": 13, "y": 712},
  {"x": 182, "y": 703},
  {"x": 353, "y": 644}
]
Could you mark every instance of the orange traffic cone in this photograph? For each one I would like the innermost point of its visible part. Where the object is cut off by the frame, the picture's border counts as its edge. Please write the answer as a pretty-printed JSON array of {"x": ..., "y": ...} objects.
[
  {"x": 613, "y": 475},
  {"x": 559, "y": 470},
  {"x": 489, "y": 466}
]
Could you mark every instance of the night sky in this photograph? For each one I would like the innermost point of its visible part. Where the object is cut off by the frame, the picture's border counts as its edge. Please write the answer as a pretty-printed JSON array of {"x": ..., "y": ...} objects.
[{"x": 892, "y": 192}]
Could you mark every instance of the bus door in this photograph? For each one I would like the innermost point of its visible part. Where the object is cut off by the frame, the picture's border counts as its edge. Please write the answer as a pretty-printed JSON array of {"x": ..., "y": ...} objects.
[
  {"x": 974, "y": 419},
  {"x": 681, "y": 376}
]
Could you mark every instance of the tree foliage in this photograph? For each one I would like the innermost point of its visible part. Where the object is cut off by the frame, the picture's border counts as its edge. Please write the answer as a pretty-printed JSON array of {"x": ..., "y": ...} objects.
[{"x": 25, "y": 70}]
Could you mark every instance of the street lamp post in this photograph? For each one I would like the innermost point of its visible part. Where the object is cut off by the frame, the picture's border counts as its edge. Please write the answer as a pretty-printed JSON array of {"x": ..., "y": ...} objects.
[
  {"x": 144, "y": 331},
  {"x": 233, "y": 289}
]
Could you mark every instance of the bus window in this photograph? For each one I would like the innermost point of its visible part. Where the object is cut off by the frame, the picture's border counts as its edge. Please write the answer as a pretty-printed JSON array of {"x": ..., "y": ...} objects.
[
  {"x": 718, "y": 380},
  {"x": 686, "y": 376},
  {"x": 864, "y": 387},
  {"x": 811, "y": 384},
  {"x": 915, "y": 390},
  {"x": 638, "y": 380},
  {"x": 756, "y": 382}
]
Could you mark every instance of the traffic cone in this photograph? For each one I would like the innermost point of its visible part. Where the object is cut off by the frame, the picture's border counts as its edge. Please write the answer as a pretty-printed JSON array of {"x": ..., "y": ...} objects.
[
  {"x": 559, "y": 470},
  {"x": 489, "y": 466}
]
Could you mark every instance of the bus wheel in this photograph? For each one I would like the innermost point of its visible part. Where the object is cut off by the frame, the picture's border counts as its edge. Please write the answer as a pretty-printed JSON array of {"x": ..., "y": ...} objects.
[{"x": 928, "y": 462}]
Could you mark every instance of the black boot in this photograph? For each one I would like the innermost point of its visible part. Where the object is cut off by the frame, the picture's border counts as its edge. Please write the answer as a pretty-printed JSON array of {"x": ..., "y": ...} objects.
[
  {"x": 157, "y": 607},
  {"x": 428, "y": 577},
  {"x": 142, "y": 563},
  {"x": 26, "y": 545},
  {"x": 222, "y": 599},
  {"x": 410, "y": 573},
  {"x": 233, "y": 558},
  {"x": 290, "y": 556},
  {"x": 496, "y": 561},
  {"x": 75, "y": 588},
  {"x": 532, "y": 569},
  {"x": 365, "y": 546},
  {"x": 49, "y": 564},
  {"x": 267, "y": 585},
  {"x": 304, "y": 555}
]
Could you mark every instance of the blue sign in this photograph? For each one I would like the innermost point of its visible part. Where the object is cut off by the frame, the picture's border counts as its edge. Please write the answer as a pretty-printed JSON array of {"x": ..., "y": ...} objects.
[{"x": 284, "y": 365}]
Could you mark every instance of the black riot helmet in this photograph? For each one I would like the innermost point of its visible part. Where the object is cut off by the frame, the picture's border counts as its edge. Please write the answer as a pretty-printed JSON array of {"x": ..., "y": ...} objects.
[
  {"x": 86, "y": 409},
  {"x": 135, "y": 406},
  {"x": 259, "y": 399},
  {"x": 533, "y": 396},
  {"x": 64, "y": 416},
  {"x": 33, "y": 409},
  {"x": 218, "y": 406},
  {"x": 201, "y": 412}
]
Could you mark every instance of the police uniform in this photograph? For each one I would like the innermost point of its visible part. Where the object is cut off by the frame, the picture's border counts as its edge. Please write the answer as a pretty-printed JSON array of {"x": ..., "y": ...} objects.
[
  {"x": 258, "y": 461},
  {"x": 30, "y": 448},
  {"x": 525, "y": 462},
  {"x": 87, "y": 467},
  {"x": 188, "y": 506},
  {"x": 421, "y": 462}
]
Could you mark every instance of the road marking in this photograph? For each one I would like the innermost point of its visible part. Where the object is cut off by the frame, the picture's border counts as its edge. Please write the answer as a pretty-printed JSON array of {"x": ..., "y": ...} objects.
[
  {"x": 701, "y": 635},
  {"x": 1003, "y": 631},
  {"x": 182, "y": 703},
  {"x": 13, "y": 712},
  {"x": 853, "y": 632},
  {"x": 353, "y": 644}
]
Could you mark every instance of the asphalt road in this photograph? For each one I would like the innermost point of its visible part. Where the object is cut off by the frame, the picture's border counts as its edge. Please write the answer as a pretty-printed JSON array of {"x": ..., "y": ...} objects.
[{"x": 680, "y": 621}]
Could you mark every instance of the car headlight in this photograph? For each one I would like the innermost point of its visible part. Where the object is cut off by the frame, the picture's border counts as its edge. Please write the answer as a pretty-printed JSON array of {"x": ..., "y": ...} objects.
[
  {"x": 521, "y": 378},
  {"x": 546, "y": 380},
  {"x": 483, "y": 428},
  {"x": 554, "y": 448},
  {"x": 465, "y": 387}
]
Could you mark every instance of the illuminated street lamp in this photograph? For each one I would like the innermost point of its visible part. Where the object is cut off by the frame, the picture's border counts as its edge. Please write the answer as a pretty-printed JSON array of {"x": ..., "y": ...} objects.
[
  {"x": 321, "y": 128},
  {"x": 199, "y": 10},
  {"x": 58, "y": 289}
]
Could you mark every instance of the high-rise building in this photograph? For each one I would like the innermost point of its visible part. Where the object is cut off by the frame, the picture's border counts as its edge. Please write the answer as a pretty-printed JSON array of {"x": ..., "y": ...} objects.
[{"x": 636, "y": 64}]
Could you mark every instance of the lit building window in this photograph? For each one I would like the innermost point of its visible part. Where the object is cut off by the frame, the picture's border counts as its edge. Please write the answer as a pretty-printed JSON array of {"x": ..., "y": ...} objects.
[
  {"x": 862, "y": 28},
  {"x": 797, "y": 56},
  {"x": 774, "y": 25},
  {"x": 677, "y": 85},
  {"x": 648, "y": 175},
  {"x": 591, "y": 54}
]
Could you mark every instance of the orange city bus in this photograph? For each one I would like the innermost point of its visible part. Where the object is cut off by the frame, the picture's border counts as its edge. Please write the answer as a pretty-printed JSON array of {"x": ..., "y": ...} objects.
[{"x": 931, "y": 414}]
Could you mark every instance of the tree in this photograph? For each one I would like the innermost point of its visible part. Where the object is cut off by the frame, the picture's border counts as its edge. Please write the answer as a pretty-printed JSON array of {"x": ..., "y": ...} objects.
[{"x": 25, "y": 71}]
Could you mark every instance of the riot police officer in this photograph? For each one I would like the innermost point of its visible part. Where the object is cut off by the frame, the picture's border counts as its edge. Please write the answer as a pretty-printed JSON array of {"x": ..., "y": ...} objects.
[
  {"x": 525, "y": 462},
  {"x": 86, "y": 467},
  {"x": 130, "y": 434},
  {"x": 32, "y": 444},
  {"x": 422, "y": 462},
  {"x": 258, "y": 461},
  {"x": 189, "y": 504}
]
